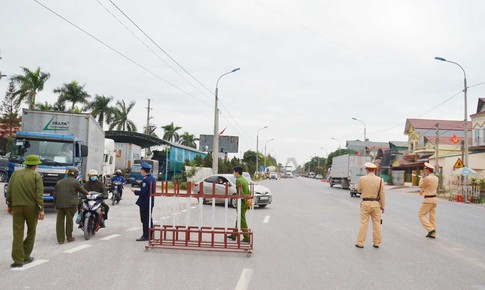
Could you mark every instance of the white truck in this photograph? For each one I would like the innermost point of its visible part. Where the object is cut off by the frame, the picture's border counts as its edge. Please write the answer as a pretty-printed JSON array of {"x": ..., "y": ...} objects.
[
  {"x": 346, "y": 170},
  {"x": 126, "y": 154},
  {"x": 61, "y": 140}
]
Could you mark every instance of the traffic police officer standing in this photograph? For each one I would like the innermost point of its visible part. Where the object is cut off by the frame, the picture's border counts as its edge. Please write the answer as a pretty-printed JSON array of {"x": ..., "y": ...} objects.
[
  {"x": 66, "y": 201},
  {"x": 25, "y": 203},
  {"x": 147, "y": 187},
  {"x": 428, "y": 186},
  {"x": 371, "y": 188}
]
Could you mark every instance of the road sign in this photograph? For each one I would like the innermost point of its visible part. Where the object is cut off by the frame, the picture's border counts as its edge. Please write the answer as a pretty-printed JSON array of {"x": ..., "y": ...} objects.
[{"x": 458, "y": 164}]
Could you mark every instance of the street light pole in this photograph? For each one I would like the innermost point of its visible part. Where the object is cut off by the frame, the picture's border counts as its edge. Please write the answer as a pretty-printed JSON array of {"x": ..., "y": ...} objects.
[
  {"x": 338, "y": 145},
  {"x": 215, "y": 140},
  {"x": 257, "y": 150},
  {"x": 265, "y": 151},
  {"x": 465, "y": 123},
  {"x": 365, "y": 137}
]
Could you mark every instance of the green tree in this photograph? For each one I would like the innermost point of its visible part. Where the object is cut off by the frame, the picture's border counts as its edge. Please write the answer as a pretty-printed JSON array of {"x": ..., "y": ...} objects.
[
  {"x": 10, "y": 120},
  {"x": 100, "y": 109},
  {"x": 151, "y": 130},
  {"x": 30, "y": 82},
  {"x": 188, "y": 139},
  {"x": 120, "y": 119},
  {"x": 74, "y": 93},
  {"x": 170, "y": 132},
  {"x": 44, "y": 106}
]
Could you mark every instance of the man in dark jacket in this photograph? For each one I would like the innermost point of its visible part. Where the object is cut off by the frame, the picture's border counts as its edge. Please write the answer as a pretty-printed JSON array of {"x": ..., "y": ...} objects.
[
  {"x": 66, "y": 197},
  {"x": 25, "y": 203},
  {"x": 147, "y": 187},
  {"x": 94, "y": 184}
]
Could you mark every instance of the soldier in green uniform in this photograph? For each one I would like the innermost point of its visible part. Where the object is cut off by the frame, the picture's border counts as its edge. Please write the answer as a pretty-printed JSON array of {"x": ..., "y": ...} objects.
[
  {"x": 25, "y": 203},
  {"x": 242, "y": 185},
  {"x": 66, "y": 200}
]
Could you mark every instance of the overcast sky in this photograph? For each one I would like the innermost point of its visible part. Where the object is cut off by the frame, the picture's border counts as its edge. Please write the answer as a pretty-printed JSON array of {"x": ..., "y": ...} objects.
[{"x": 307, "y": 67}]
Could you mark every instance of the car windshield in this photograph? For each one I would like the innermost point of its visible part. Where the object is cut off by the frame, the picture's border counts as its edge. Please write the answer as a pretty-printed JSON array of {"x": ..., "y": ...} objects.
[
  {"x": 50, "y": 152},
  {"x": 136, "y": 168}
]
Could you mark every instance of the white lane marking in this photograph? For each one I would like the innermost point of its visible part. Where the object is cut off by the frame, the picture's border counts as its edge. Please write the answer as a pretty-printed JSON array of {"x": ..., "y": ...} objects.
[
  {"x": 30, "y": 265},
  {"x": 266, "y": 219},
  {"x": 107, "y": 238},
  {"x": 133, "y": 229},
  {"x": 244, "y": 279},
  {"x": 79, "y": 248}
]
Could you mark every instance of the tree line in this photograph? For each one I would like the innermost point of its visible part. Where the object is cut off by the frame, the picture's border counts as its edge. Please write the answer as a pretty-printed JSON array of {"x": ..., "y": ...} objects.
[{"x": 73, "y": 97}]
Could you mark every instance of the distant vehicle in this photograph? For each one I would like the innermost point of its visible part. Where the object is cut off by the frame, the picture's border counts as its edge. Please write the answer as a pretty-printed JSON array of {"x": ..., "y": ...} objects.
[
  {"x": 318, "y": 176},
  {"x": 273, "y": 175},
  {"x": 311, "y": 175},
  {"x": 3, "y": 169},
  {"x": 135, "y": 174},
  {"x": 262, "y": 194},
  {"x": 346, "y": 170}
]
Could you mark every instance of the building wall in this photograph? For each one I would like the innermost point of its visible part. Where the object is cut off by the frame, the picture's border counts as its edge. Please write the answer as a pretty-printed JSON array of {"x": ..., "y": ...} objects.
[
  {"x": 416, "y": 137},
  {"x": 476, "y": 162},
  {"x": 478, "y": 131}
]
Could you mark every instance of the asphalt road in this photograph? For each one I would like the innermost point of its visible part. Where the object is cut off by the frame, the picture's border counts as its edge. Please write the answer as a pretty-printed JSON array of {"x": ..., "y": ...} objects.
[{"x": 304, "y": 240}]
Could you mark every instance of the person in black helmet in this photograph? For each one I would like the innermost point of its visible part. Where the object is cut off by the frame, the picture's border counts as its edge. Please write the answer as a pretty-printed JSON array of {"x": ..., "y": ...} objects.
[{"x": 66, "y": 194}]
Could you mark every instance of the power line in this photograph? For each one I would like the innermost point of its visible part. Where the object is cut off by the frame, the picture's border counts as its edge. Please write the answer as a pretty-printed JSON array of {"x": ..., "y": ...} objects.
[
  {"x": 178, "y": 64},
  {"x": 149, "y": 48},
  {"x": 121, "y": 54},
  {"x": 355, "y": 52},
  {"x": 435, "y": 107}
]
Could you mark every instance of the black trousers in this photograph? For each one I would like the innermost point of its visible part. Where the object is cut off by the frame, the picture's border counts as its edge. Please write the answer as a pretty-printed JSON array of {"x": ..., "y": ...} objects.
[{"x": 145, "y": 219}]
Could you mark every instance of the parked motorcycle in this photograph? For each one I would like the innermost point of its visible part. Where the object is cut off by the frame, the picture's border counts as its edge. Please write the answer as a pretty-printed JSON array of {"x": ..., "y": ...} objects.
[
  {"x": 116, "y": 189},
  {"x": 92, "y": 215}
]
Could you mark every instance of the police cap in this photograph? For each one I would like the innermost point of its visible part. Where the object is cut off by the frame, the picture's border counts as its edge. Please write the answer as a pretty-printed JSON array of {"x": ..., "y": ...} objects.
[{"x": 145, "y": 165}]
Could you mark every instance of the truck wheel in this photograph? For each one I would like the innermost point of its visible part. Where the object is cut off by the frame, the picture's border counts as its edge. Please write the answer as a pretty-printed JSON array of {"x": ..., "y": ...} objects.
[{"x": 3, "y": 176}]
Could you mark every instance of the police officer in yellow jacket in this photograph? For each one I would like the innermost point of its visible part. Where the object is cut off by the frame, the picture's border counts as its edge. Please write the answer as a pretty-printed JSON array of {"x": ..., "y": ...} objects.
[
  {"x": 428, "y": 186},
  {"x": 371, "y": 188},
  {"x": 66, "y": 199},
  {"x": 25, "y": 203}
]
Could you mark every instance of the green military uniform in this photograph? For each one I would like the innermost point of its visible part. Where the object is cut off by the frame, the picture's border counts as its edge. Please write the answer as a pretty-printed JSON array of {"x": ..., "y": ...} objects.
[
  {"x": 242, "y": 185},
  {"x": 25, "y": 199},
  {"x": 66, "y": 200}
]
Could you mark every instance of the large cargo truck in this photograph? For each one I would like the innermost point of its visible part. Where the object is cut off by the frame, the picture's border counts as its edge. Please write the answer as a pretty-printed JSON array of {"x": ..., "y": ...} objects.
[
  {"x": 126, "y": 154},
  {"x": 61, "y": 140},
  {"x": 346, "y": 170}
]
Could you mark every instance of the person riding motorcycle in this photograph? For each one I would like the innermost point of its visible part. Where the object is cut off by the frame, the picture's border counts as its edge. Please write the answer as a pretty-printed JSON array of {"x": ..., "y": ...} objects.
[
  {"x": 94, "y": 184},
  {"x": 118, "y": 178}
]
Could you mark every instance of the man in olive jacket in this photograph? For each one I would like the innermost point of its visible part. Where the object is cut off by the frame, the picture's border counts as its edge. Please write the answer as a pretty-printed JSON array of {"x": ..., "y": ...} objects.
[
  {"x": 25, "y": 203},
  {"x": 66, "y": 201}
]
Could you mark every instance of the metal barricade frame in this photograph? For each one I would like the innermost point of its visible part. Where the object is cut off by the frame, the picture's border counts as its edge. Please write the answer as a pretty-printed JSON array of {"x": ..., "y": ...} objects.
[{"x": 199, "y": 237}]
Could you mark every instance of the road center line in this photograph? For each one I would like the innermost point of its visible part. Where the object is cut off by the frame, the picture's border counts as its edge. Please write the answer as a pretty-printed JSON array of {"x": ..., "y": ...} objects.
[
  {"x": 266, "y": 219},
  {"x": 107, "y": 238},
  {"x": 79, "y": 248},
  {"x": 244, "y": 279},
  {"x": 30, "y": 265},
  {"x": 133, "y": 229}
]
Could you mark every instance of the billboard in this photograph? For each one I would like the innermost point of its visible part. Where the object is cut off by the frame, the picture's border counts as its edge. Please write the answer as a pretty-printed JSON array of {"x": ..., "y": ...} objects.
[{"x": 227, "y": 144}]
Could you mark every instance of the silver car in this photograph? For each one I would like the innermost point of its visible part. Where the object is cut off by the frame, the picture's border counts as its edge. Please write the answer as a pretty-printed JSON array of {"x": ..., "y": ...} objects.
[{"x": 262, "y": 195}]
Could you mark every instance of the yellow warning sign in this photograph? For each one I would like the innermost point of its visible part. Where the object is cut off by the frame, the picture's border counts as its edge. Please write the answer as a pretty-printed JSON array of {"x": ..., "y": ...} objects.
[{"x": 458, "y": 164}]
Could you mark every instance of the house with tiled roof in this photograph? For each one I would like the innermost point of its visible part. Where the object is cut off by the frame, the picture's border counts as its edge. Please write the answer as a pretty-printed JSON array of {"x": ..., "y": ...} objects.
[{"x": 478, "y": 126}]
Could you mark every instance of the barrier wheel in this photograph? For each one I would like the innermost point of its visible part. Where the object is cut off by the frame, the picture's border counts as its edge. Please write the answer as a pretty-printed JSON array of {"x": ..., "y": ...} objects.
[{"x": 248, "y": 253}]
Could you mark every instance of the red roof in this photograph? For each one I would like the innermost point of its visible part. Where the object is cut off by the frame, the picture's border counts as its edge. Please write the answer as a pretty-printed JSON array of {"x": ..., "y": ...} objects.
[{"x": 431, "y": 124}]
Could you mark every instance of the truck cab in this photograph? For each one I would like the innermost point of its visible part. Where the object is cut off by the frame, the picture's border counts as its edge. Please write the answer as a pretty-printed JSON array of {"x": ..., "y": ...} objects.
[
  {"x": 135, "y": 174},
  {"x": 57, "y": 153}
]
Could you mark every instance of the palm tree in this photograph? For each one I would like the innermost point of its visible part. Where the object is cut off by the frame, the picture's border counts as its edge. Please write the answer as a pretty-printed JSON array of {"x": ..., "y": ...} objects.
[
  {"x": 120, "y": 117},
  {"x": 31, "y": 82},
  {"x": 73, "y": 93},
  {"x": 188, "y": 139},
  {"x": 171, "y": 132},
  {"x": 44, "y": 106},
  {"x": 100, "y": 109},
  {"x": 151, "y": 130}
]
